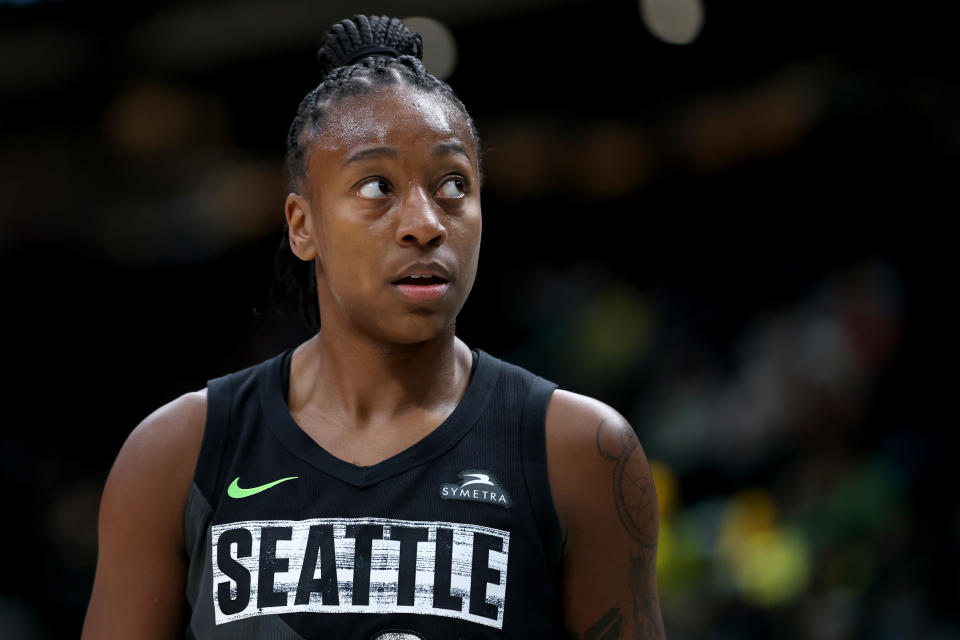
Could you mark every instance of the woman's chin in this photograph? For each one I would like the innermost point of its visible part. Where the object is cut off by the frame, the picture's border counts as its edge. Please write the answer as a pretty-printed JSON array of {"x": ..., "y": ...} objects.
[{"x": 419, "y": 329}]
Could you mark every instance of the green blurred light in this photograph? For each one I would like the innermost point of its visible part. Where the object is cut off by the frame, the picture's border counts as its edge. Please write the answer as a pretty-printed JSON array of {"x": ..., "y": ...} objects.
[
  {"x": 613, "y": 331},
  {"x": 772, "y": 567}
]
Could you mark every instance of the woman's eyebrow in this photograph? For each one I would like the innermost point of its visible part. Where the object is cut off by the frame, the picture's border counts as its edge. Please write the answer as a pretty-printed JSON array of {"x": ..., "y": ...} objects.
[
  {"x": 371, "y": 153},
  {"x": 442, "y": 149},
  {"x": 449, "y": 148}
]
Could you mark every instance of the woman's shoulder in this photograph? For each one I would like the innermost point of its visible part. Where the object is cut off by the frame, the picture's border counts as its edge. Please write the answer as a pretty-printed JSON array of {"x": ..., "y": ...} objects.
[
  {"x": 577, "y": 423},
  {"x": 573, "y": 415},
  {"x": 151, "y": 476},
  {"x": 172, "y": 430},
  {"x": 589, "y": 444}
]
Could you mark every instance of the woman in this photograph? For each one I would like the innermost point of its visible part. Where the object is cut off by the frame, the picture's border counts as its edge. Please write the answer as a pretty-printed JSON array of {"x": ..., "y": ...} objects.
[{"x": 381, "y": 480}]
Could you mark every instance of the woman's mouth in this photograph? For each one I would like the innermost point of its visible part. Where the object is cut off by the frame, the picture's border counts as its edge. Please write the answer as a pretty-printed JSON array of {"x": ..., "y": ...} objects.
[{"x": 421, "y": 288}]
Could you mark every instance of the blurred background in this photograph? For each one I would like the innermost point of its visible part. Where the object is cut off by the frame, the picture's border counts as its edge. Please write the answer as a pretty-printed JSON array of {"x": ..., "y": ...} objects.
[{"x": 727, "y": 220}]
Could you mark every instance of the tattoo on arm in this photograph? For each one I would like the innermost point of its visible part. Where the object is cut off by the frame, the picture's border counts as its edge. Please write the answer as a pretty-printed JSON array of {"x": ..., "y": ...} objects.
[
  {"x": 606, "y": 628},
  {"x": 635, "y": 498}
]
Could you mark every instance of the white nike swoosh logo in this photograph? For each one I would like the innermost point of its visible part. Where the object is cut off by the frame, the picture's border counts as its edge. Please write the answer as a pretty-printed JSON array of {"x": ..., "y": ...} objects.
[{"x": 481, "y": 478}]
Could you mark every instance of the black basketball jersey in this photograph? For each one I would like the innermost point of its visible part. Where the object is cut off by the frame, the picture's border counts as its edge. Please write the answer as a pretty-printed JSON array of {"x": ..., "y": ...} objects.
[{"x": 454, "y": 537}]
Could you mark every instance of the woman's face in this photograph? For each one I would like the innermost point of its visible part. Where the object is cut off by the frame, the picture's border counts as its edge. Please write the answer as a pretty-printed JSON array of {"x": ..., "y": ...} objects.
[{"x": 391, "y": 214}]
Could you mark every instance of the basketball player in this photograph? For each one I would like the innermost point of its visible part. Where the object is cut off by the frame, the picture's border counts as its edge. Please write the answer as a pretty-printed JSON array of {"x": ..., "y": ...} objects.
[{"x": 381, "y": 480}]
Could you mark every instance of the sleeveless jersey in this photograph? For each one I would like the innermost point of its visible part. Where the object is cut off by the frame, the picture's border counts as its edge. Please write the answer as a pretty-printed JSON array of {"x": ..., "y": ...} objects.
[{"x": 454, "y": 537}]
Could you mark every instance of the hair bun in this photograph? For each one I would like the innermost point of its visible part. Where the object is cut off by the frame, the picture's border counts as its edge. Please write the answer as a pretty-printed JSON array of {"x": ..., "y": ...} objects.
[{"x": 352, "y": 39}]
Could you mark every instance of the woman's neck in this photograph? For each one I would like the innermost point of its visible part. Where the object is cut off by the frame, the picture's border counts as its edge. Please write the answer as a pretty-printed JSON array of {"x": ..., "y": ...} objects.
[{"x": 363, "y": 383}]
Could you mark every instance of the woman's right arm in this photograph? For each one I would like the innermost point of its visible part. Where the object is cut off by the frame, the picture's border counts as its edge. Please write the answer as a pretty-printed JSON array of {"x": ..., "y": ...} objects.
[{"x": 138, "y": 590}]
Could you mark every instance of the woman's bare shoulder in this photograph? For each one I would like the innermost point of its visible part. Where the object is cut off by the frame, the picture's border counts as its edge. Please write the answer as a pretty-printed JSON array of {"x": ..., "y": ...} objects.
[
  {"x": 589, "y": 447},
  {"x": 175, "y": 428},
  {"x": 574, "y": 420},
  {"x": 158, "y": 460},
  {"x": 170, "y": 435}
]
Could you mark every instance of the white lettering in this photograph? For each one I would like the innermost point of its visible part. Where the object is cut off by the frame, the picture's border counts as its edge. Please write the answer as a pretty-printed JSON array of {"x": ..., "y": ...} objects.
[{"x": 384, "y": 569}]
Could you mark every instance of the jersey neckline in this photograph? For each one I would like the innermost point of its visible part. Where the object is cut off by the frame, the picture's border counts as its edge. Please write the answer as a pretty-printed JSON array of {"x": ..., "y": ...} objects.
[{"x": 273, "y": 397}]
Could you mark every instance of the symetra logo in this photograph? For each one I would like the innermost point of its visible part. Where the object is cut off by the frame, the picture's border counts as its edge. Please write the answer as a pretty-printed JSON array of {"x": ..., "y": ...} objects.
[
  {"x": 236, "y": 491},
  {"x": 476, "y": 485}
]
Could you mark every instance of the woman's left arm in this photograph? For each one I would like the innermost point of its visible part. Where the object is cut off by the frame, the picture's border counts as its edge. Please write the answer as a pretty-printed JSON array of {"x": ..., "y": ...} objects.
[{"x": 605, "y": 499}]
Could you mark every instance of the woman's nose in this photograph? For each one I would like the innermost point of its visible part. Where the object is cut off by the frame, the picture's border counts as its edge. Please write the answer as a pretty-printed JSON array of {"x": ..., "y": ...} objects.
[{"x": 420, "y": 220}]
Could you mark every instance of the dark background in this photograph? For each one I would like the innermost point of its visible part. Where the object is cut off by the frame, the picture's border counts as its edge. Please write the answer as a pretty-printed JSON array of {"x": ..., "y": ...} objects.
[{"x": 741, "y": 243}]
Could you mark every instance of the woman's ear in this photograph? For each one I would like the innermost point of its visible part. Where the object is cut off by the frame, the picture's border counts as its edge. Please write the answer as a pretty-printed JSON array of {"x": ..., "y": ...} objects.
[{"x": 300, "y": 227}]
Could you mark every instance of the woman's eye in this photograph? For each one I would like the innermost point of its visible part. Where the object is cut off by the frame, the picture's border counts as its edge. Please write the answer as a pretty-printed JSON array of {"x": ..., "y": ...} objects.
[
  {"x": 375, "y": 189},
  {"x": 454, "y": 187}
]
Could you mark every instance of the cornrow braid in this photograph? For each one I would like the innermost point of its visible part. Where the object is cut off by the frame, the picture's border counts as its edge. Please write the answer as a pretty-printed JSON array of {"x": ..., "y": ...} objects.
[{"x": 358, "y": 54}]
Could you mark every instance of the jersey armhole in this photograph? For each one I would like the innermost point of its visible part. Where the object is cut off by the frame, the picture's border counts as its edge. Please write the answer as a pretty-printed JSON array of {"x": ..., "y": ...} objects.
[
  {"x": 209, "y": 471},
  {"x": 535, "y": 471}
]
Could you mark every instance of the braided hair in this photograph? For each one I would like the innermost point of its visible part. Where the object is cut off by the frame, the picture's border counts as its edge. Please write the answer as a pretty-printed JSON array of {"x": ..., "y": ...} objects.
[{"x": 358, "y": 55}]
